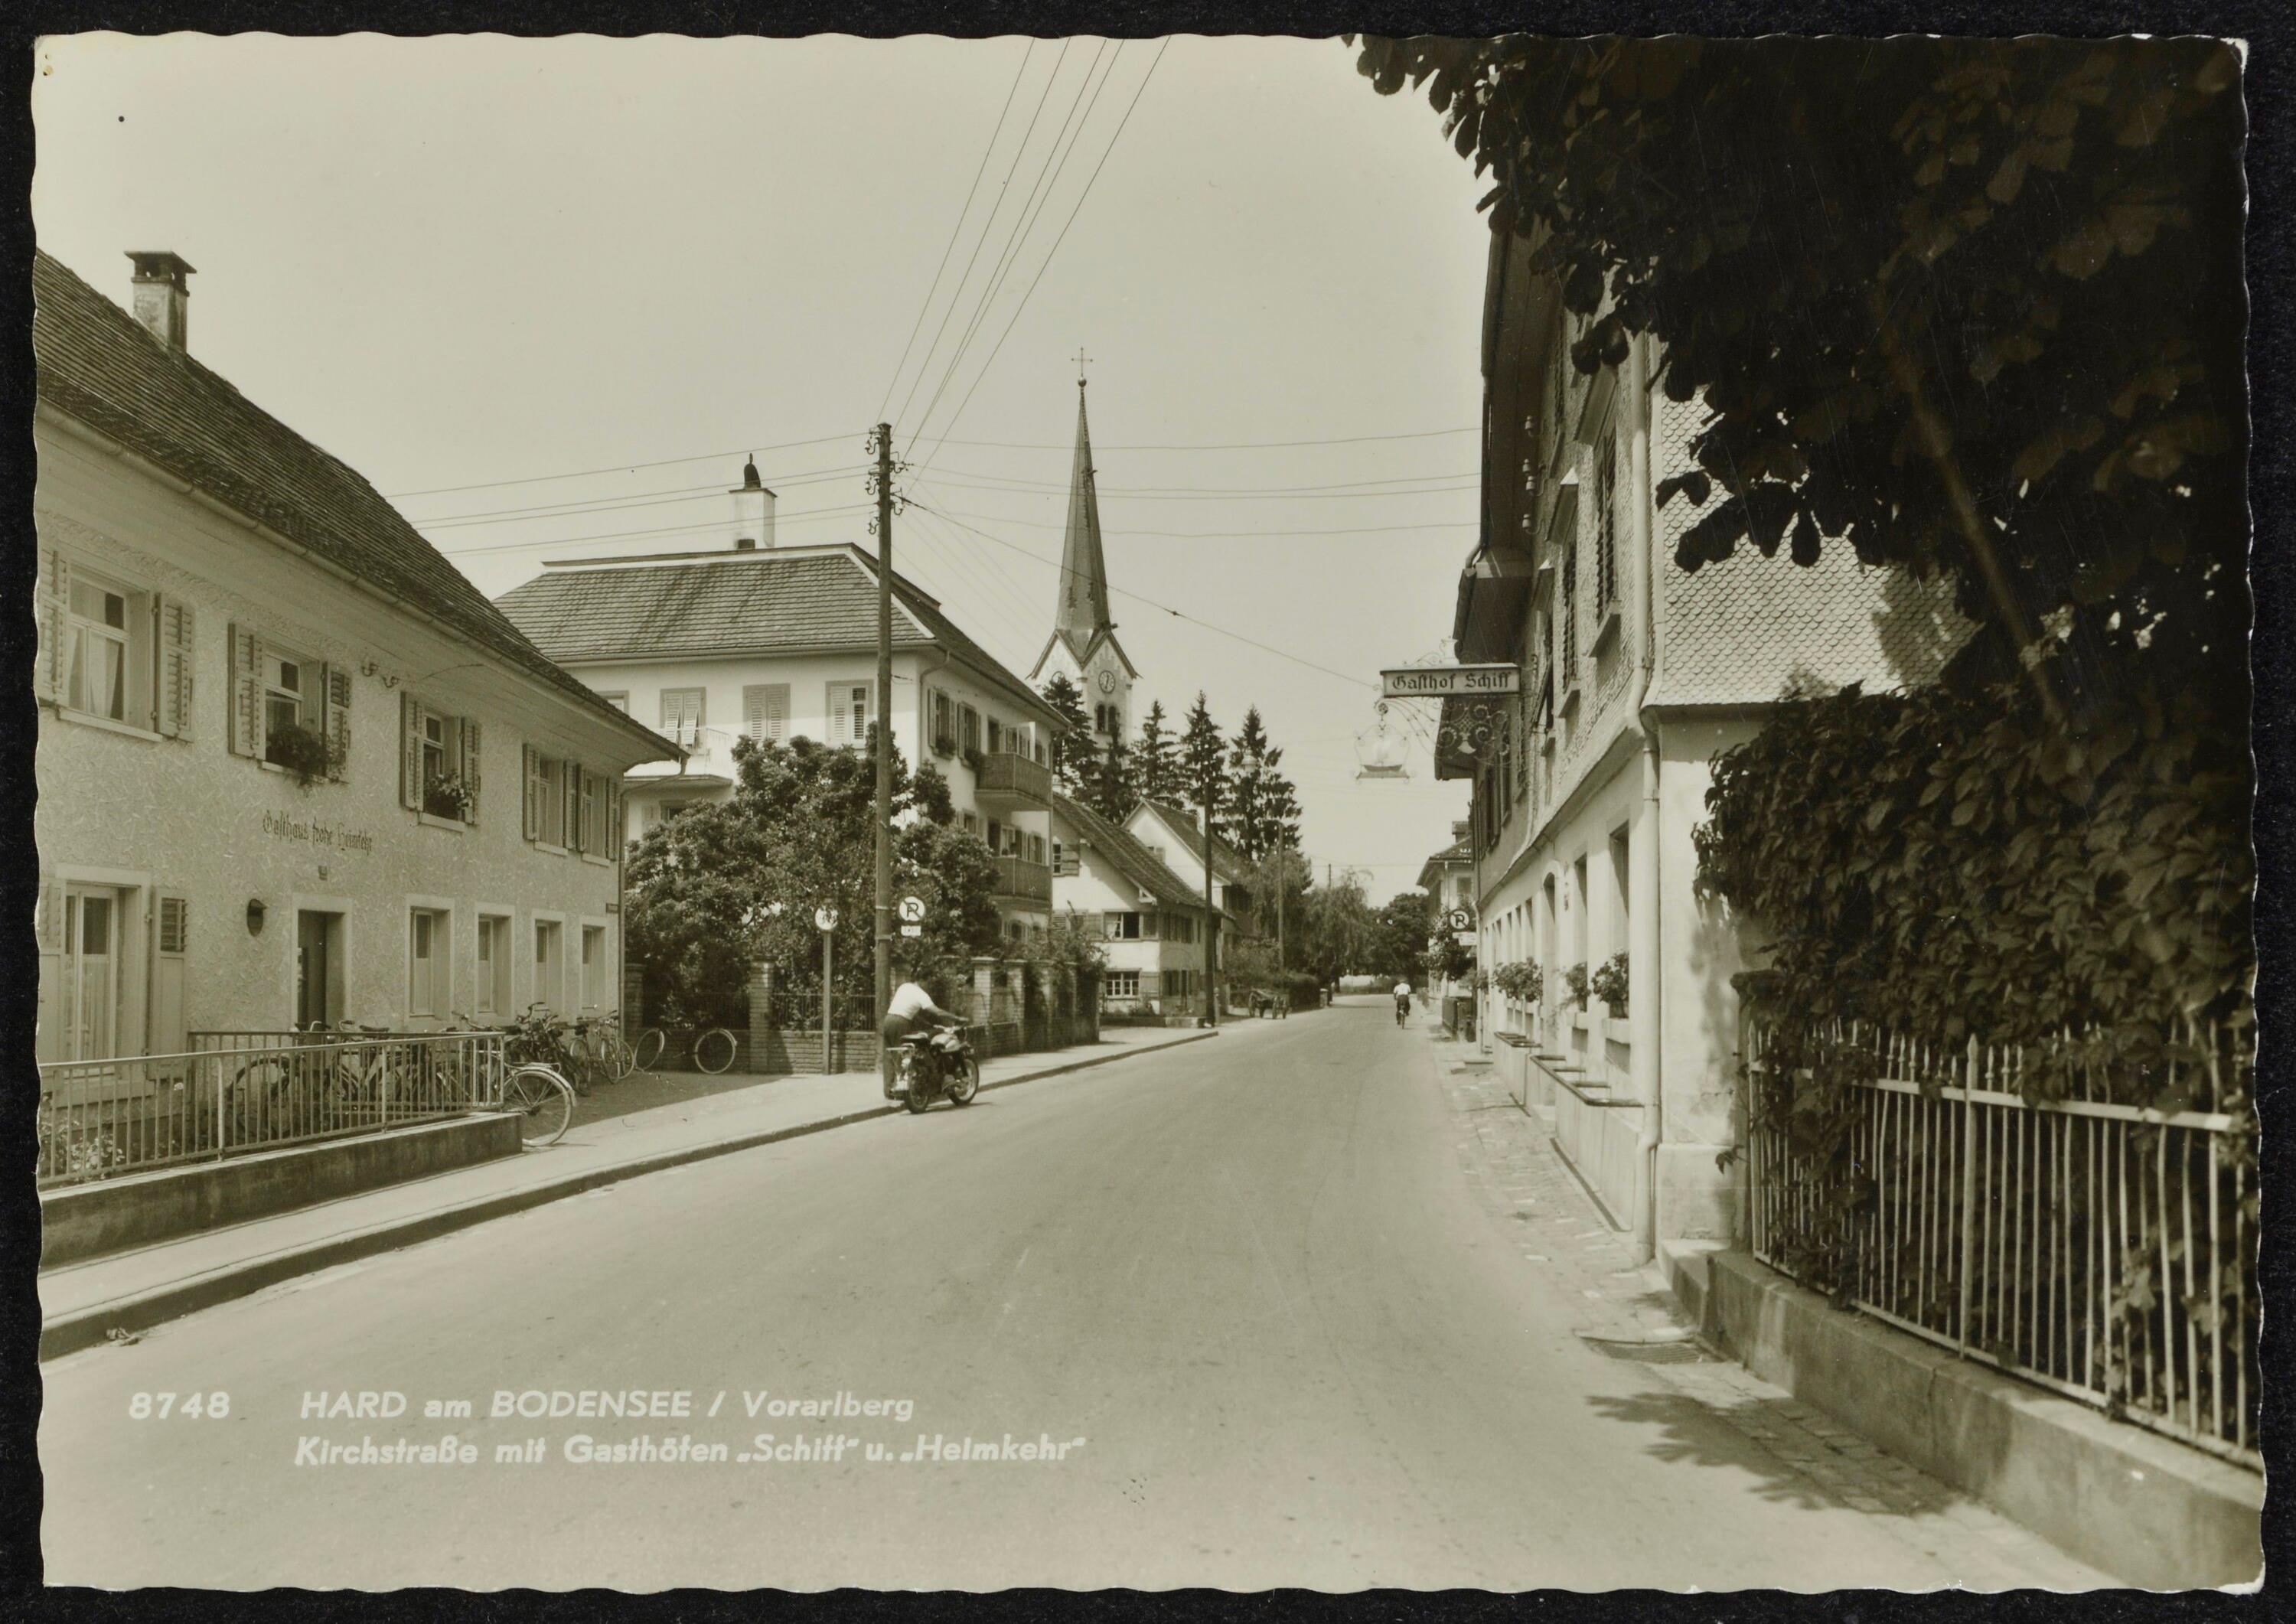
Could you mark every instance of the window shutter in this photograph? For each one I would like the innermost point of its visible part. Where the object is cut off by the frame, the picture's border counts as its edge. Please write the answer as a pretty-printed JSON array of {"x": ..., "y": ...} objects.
[
  {"x": 172, "y": 623},
  {"x": 530, "y": 821},
  {"x": 53, "y": 600},
  {"x": 765, "y": 712},
  {"x": 617, "y": 833},
  {"x": 470, "y": 770},
  {"x": 247, "y": 725},
  {"x": 410, "y": 752},
  {"x": 49, "y": 927},
  {"x": 841, "y": 720},
  {"x": 337, "y": 682},
  {"x": 569, "y": 799}
]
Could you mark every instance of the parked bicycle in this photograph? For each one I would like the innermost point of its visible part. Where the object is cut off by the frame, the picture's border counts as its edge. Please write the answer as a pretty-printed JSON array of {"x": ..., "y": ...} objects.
[
  {"x": 542, "y": 1100},
  {"x": 711, "y": 1051},
  {"x": 599, "y": 1052}
]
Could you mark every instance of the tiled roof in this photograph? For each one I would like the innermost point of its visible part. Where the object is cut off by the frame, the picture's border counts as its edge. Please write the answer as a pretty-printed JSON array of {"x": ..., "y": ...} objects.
[
  {"x": 770, "y": 602},
  {"x": 100, "y": 365},
  {"x": 1127, "y": 855},
  {"x": 1458, "y": 853},
  {"x": 1184, "y": 824}
]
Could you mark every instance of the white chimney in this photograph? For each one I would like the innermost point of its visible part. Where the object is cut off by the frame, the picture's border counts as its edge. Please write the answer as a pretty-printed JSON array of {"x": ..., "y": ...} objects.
[
  {"x": 753, "y": 511},
  {"x": 162, "y": 302}
]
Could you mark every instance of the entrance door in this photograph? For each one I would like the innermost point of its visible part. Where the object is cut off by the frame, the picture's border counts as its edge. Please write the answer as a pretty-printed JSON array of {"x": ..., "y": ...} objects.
[
  {"x": 91, "y": 974},
  {"x": 314, "y": 969}
]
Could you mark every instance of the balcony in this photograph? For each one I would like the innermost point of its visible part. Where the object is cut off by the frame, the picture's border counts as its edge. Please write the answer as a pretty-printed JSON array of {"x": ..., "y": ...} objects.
[
  {"x": 1008, "y": 778},
  {"x": 1018, "y": 880}
]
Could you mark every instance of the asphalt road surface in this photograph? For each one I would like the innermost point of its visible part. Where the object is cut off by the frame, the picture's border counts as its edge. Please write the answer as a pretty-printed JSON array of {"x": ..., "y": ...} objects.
[{"x": 1240, "y": 1293}]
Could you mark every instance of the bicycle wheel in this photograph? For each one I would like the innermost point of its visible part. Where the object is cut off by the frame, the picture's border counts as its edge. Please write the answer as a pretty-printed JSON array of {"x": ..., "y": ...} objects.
[
  {"x": 543, "y": 1102},
  {"x": 651, "y": 1042},
  {"x": 714, "y": 1050},
  {"x": 621, "y": 1062}
]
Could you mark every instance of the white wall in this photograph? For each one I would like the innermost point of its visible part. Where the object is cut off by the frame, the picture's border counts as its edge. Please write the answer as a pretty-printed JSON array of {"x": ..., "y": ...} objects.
[{"x": 185, "y": 814}]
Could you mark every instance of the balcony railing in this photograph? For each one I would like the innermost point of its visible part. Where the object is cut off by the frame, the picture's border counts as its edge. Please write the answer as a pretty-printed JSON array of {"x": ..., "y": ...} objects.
[
  {"x": 239, "y": 1092},
  {"x": 1005, "y": 772},
  {"x": 1018, "y": 877}
]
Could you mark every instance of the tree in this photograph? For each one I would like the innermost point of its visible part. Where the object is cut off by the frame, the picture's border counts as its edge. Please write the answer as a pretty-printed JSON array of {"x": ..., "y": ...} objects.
[
  {"x": 1399, "y": 935},
  {"x": 716, "y": 887},
  {"x": 1263, "y": 805},
  {"x": 1340, "y": 931},
  {"x": 1968, "y": 305},
  {"x": 1203, "y": 767},
  {"x": 1109, "y": 789},
  {"x": 1155, "y": 759},
  {"x": 1071, "y": 740}
]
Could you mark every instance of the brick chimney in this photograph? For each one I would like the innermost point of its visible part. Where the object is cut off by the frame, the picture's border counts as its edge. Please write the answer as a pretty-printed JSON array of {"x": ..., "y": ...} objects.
[
  {"x": 162, "y": 301},
  {"x": 753, "y": 511}
]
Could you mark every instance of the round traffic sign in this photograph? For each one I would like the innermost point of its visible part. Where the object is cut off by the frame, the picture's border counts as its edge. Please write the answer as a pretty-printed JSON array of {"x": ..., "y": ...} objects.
[
  {"x": 825, "y": 919},
  {"x": 913, "y": 910}
]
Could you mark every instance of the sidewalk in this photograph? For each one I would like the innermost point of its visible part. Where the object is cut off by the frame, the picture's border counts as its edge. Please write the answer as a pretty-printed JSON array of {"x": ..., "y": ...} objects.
[{"x": 82, "y": 1303}]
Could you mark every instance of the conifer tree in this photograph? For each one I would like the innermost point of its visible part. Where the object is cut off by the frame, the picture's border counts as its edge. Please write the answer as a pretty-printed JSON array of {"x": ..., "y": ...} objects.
[
  {"x": 1155, "y": 759},
  {"x": 1071, "y": 740}
]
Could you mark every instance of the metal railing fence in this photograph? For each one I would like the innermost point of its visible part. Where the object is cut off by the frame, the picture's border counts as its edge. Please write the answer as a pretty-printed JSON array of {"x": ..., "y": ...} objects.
[
  {"x": 2100, "y": 1248},
  {"x": 239, "y": 1092}
]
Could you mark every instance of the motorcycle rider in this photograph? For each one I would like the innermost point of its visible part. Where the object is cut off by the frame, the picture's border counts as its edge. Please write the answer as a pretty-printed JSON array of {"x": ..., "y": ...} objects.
[
  {"x": 911, "y": 1010},
  {"x": 1402, "y": 1002}
]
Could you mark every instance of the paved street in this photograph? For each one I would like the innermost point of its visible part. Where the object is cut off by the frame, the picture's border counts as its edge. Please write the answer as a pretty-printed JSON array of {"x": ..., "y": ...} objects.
[{"x": 1302, "y": 1303}]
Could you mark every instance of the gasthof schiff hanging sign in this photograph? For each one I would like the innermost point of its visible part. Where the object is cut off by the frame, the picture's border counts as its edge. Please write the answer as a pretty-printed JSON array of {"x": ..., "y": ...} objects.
[{"x": 1449, "y": 682}]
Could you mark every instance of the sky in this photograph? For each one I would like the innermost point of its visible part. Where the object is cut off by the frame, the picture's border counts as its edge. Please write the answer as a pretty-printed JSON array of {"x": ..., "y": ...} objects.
[{"x": 547, "y": 295}]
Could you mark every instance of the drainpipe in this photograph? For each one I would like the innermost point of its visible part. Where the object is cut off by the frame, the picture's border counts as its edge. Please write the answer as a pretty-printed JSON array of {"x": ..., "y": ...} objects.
[{"x": 1643, "y": 976}]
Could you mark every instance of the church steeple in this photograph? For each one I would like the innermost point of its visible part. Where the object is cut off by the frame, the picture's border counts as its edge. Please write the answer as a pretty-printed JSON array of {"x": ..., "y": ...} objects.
[{"x": 1083, "y": 609}]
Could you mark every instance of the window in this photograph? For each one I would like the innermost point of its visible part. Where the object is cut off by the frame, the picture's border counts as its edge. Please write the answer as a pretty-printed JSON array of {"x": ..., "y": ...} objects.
[
  {"x": 619, "y": 702},
  {"x": 944, "y": 723},
  {"x": 1180, "y": 983},
  {"x": 574, "y": 809},
  {"x": 92, "y": 950},
  {"x": 1036, "y": 848},
  {"x": 996, "y": 735},
  {"x": 108, "y": 652},
  {"x": 1121, "y": 984},
  {"x": 1569, "y": 613},
  {"x": 494, "y": 965},
  {"x": 96, "y": 660},
  {"x": 968, "y": 736},
  {"x": 439, "y": 762},
  {"x": 426, "y": 962},
  {"x": 849, "y": 711},
  {"x": 546, "y": 799},
  {"x": 549, "y": 967},
  {"x": 1606, "y": 525},
  {"x": 681, "y": 717},
  {"x": 969, "y": 822},
  {"x": 594, "y": 966},
  {"x": 1124, "y": 927},
  {"x": 764, "y": 712}
]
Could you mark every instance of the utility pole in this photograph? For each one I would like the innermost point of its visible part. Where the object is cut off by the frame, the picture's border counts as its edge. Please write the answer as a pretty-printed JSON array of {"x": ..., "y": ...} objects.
[
  {"x": 884, "y": 805},
  {"x": 1212, "y": 921}
]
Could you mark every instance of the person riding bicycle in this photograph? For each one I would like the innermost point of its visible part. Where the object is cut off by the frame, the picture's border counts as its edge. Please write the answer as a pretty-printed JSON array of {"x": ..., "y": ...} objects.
[
  {"x": 910, "y": 1011},
  {"x": 1402, "y": 1002}
]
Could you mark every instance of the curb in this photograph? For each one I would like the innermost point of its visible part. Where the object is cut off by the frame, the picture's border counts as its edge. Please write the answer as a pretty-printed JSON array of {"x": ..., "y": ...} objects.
[
  {"x": 88, "y": 1327},
  {"x": 2150, "y": 1511}
]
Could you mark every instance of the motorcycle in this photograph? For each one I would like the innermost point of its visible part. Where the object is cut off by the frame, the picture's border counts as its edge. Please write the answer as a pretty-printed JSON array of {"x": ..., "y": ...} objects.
[{"x": 937, "y": 1064}]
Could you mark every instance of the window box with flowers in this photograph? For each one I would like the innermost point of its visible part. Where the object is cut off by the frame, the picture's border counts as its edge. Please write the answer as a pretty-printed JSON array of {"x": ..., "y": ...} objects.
[
  {"x": 449, "y": 797},
  {"x": 303, "y": 752}
]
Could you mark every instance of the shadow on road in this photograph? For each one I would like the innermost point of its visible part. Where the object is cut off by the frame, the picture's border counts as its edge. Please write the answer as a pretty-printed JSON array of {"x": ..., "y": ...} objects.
[{"x": 1695, "y": 1433}]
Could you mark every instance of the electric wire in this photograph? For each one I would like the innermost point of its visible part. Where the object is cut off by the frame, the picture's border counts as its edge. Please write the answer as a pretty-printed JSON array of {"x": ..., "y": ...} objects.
[
  {"x": 956, "y": 230},
  {"x": 1051, "y": 253}
]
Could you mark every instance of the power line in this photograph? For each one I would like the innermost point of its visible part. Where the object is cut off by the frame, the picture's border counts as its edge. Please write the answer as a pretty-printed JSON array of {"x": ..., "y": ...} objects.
[
  {"x": 1262, "y": 444},
  {"x": 994, "y": 445},
  {"x": 1039, "y": 194},
  {"x": 1357, "y": 529},
  {"x": 1050, "y": 253},
  {"x": 1052, "y": 487},
  {"x": 981, "y": 241},
  {"x": 607, "y": 504},
  {"x": 1176, "y": 613},
  {"x": 676, "y": 530},
  {"x": 535, "y": 479},
  {"x": 956, "y": 230},
  {"x": 1307, "y": 494}
]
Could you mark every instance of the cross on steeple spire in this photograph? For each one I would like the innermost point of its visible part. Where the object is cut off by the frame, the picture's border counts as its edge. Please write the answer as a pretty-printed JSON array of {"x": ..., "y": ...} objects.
[{"x": 1083, "y": 361}]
